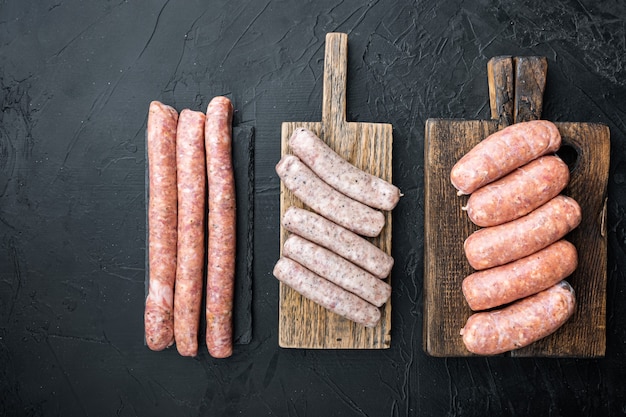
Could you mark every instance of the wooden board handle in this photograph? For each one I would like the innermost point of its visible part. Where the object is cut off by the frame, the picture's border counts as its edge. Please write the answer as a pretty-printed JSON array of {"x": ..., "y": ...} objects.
[
  {"x": 516, "y": 87},
  {"x": 335, "y": 81}
]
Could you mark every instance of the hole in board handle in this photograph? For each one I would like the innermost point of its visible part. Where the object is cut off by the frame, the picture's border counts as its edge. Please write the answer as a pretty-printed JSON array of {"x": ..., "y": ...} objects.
[{"x": 570, "y": 155}]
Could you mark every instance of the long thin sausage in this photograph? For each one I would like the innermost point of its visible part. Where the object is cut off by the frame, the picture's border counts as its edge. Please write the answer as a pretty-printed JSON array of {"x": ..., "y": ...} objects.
[
  {"x": 340, "y": 174},
  {"x": 519, "y": 192},
  {"x": 521, "y": 323},
  {"x": 325, "y": 293},
  {"x": 337, "y": 270},
  {"x": 498, "y": 245},
  {"x": 191, "y": 175},
  {"x": 221, "y": 228},
  {"x": 503, "y": 284},
  {"x": 339, "y": 240},
  {"x": 162, "y": 218},
  {"x": 327, "y": 201},
  {"x": 502, "y": 152}
]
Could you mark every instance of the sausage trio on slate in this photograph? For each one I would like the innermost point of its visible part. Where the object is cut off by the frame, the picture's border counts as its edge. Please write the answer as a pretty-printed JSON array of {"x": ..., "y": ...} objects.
[{"x": 185, "y": 153}]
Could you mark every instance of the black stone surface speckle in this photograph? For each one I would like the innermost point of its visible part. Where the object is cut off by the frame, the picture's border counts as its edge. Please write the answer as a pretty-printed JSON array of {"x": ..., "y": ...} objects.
[{"x": 76, "y": 78}]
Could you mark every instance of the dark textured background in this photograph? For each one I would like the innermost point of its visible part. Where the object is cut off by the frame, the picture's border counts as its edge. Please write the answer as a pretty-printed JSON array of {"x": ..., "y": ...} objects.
[{"x": 76, "y": 78}]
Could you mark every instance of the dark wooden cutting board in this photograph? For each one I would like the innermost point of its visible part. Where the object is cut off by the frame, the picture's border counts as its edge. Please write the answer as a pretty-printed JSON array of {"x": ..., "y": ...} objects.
[
  {"x": 516, "y": 92},
  {"x": 302, "y": 323}
]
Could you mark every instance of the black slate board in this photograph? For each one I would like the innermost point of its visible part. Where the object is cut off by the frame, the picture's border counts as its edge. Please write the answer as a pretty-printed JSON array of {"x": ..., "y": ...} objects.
[{"x": 243, "y": 165}]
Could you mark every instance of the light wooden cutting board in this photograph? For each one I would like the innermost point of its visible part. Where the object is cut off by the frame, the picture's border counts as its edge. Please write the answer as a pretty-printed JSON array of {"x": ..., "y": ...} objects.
[
  {"x": 516, "y": 93},
  {"x": 302, "y": 323}
]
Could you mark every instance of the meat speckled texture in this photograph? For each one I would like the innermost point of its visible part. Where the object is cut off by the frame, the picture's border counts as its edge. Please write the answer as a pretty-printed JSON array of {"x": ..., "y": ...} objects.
[
  {"x": 325, "y": 293},
  {"x": 521, "y": 323},
  {"x": 503, "y": 284},
  {"x": 340, "y": 174},
  {"x": 221, "y": 228},
  {"x": 327, "y": 201},
  {"x": 502, "y": 152},
  {"x": 337, "y": 270},
  {"x": 498, "y": 245},
  {"x": 162, "y": 219},
  {"x": 519, "y": 192},
  {"x": 191, "y": 178},
  {"x": 339, "y": 240}
]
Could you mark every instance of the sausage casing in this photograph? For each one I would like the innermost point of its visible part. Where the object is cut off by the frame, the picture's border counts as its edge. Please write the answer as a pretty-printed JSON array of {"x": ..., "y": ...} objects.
[
  {"x": 498, "y": 245},
  {"x": 502, "y": 152},
  {"x": 503, "y": 284},
  {"x": 339, "y": 240},
  {"x": 519, "y": 192},
  {"x": 337, "y": 270},
  {"x": 191, "y": 179},
  {"x": 327, "y": 201},
  {"x": 162, "y": 223},
  {"x": 340, "y": 174},
  {"x": 325, "y": 293},
  {"x": 221, "y": 228},
  {"x": 521, "y": 323}
]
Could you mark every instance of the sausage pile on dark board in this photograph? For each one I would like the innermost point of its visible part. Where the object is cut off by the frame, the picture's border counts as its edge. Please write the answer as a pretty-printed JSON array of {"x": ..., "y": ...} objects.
[
  {"x": 519, "y": 254},
  {"x": 326, "y": 257},
  {"x": 185, "y": 153}
]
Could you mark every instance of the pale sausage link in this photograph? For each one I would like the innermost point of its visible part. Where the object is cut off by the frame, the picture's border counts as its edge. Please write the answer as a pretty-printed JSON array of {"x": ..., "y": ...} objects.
[
  {"x": 162, "y": 219},
  {"x": 325, "y": 293},
  {"x": 337, "y": 270},
  {"x": 191, "y": 171},
  {"x": 340, "y": 174},
  {"x": 339, "y": 240},
  {"x": 221, "y": 228},
  {"x": 327, "y": 201}
]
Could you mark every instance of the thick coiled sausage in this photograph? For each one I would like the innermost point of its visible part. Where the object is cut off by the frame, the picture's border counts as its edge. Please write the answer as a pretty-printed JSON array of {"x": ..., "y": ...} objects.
[
  {"x": 502, "y": 152},
  {"x": 521, "y": 323},
  {"x": 162, "y": 219},
  {"x": 498, "y": 245},
  {"x": 340, "y": 174},
  {"x": 503, "y": 284},
  {"x": 221, "y": 228},
  {"x": 519, "y": 192}
]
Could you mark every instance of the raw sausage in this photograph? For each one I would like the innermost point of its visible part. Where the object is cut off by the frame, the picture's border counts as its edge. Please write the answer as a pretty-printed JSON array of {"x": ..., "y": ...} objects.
[
  {"x": 337, "y": 270},
  {"x": 325, "y": 293},
  {"x": 339, "y": 240},
  {"x": 502, "y": 152},
  {"x": 503, "y": 284},
  {"x": 498, "y": 245},
  {"x": 162, "y": 218},
  {"x": 519, "y": 192},
  {"x": 327, "y": 201},
  {"x": 221, "y": 228},
  {"x": 521, "y": 323},
  {"x": 340, "y": 174},
  {"x": 191, "y": 178}
]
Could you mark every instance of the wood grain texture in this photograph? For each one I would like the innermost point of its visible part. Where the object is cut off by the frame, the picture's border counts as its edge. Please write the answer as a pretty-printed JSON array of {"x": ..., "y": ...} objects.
[
  {"x": 586, "y": 150},
  {"x": 302, "y": 323}
]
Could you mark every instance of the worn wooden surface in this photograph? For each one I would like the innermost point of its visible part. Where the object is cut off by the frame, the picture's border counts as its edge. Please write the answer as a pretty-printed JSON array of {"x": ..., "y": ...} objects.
[
  {"x": 302, "y": 323},
  {"x": 585, "y": 149}
]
